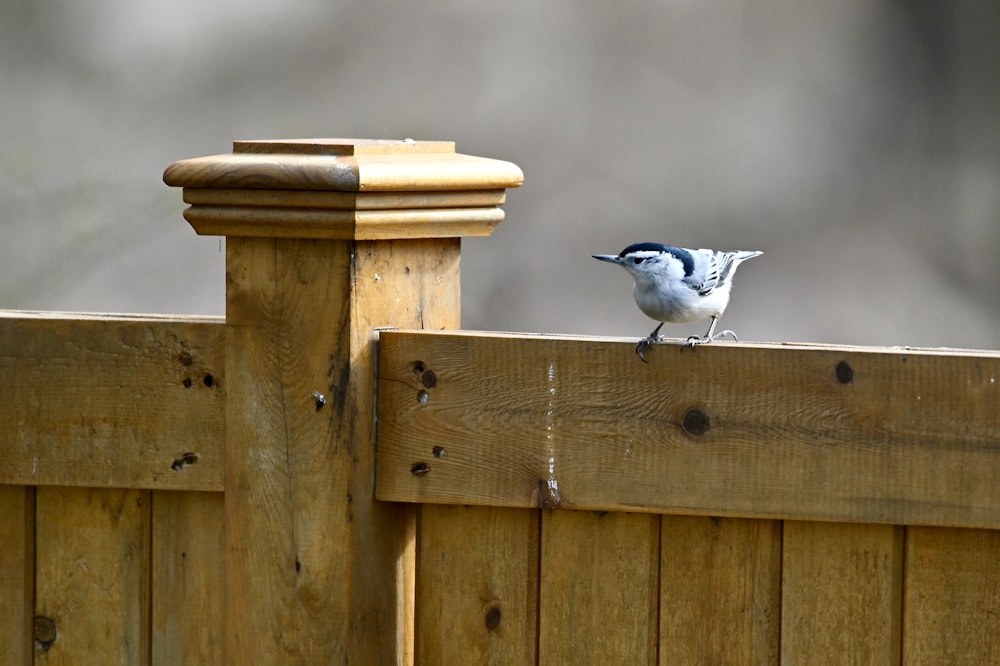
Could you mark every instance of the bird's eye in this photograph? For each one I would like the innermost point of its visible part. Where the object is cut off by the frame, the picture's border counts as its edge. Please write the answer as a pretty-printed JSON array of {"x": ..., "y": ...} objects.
[{"x": 638, "y": 260}]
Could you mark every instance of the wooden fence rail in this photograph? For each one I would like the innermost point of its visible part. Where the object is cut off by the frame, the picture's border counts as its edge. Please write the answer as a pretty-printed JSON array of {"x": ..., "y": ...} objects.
[
  {"x": 296, "y": 483},
  {"x": 743, "y": 449},
  {"x": 811, "y": 433}
]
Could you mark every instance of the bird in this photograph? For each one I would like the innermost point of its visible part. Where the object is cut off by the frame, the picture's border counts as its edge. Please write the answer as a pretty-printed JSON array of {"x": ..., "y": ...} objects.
[{"x": 677, "y": 285}]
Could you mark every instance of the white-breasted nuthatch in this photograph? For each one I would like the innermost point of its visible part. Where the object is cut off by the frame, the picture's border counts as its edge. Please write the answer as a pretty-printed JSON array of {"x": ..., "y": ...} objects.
[{"x": 676, "y": 285}]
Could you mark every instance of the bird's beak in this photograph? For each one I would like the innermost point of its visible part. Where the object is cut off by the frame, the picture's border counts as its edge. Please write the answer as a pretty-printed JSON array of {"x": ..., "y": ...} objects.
[{"x": 613, "y": 258}]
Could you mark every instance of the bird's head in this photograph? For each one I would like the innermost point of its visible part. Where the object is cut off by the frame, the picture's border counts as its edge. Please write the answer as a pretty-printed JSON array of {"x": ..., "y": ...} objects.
[{"x": 648, "y": 260}]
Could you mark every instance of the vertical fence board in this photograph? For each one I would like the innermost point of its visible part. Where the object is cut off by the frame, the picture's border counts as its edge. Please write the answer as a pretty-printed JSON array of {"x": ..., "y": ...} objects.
[
  {"x": 395, "y": 283},
  {"x": 17, "y": 576},
  {"x": 720, "y": 582},
  {"x": 841, "y": 593},
  {"x": 287, "y": 520},
  {"x": 92, "y": 574},
  {"x": 300, "y": 366},
  {"x": 477, "y": 585},
  {"x": 187, "y": 577},
  {"x": 952, "y": 607},
  {"x": 598, "y": 591}
]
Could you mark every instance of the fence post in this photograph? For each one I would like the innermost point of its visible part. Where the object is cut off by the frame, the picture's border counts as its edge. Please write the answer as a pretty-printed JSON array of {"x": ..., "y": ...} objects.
[{"x": 327, "y": 241}]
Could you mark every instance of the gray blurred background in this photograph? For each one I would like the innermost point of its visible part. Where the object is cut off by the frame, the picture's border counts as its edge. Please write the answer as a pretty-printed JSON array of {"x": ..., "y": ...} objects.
[{"x": 857, "y": 143}]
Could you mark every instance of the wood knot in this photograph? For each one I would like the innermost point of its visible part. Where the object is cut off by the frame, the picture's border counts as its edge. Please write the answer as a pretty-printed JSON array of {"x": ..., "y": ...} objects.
[
  {"x": 845, "y": 374},
  {"x": 695, "y": 422},
  {"x": 493, "y": 616}
]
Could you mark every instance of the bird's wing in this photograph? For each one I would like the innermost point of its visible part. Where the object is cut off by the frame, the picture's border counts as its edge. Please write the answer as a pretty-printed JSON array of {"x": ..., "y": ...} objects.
[
  {"x": 714, "y": 268},
  {"x": 711, "y": 269}
]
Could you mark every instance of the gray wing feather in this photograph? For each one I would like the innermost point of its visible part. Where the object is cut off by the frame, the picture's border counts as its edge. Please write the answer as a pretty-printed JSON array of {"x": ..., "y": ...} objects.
[
  {"x": 714, "y": 268},
  {"x": 711, "y": 268}
]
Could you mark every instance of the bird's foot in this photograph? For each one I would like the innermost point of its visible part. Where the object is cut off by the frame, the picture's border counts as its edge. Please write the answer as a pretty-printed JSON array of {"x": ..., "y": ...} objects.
[
  {"x": 727, "y": 332},
  {"x": 698, "y": 340},
  {"x": 645, "y": 344}
]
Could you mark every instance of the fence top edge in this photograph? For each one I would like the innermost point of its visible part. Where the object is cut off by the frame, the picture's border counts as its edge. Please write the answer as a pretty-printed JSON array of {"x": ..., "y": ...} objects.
[
  {"x": 105, "y": 316},
  {"x": 790, "y": 346}
]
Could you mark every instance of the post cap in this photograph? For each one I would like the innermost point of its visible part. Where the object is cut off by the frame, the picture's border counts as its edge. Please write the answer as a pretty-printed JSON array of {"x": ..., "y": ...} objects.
[{"x": 344, "y": 188}]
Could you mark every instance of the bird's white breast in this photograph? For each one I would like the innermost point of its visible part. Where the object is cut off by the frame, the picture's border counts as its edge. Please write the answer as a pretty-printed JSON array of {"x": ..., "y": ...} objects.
[{"x": 679, "y": 303}]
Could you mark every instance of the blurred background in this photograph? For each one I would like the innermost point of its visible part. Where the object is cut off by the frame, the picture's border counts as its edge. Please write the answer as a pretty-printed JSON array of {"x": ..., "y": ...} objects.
[{"x": 857, "y": 143}]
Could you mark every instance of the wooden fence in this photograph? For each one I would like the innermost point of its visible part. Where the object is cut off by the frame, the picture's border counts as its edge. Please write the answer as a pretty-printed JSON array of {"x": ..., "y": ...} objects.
[{"x": 178, "y": 490}]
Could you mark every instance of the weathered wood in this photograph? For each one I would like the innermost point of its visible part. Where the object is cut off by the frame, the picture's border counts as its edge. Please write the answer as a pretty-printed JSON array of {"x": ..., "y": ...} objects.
[
  {"x": 287, "y": 315},
  {"x": 92, "y": 574},
  {"x": 843, "y": 434},
  {"x": 310, "y": 279},
  {"x": 301, "y": 361},
  {"x": 598, "y": 597},
  {"x": 413, "y": 283},
  {"x": 17, "y": 574},
  {"x": 720, "y": 590},
  {"x": 841, "y": 593},
  {"x": 952, "y": 605},
  {"x": 187, "y": 573},
  {"x": 111, "y": 401},
  {"x": 477, "y": 588}
]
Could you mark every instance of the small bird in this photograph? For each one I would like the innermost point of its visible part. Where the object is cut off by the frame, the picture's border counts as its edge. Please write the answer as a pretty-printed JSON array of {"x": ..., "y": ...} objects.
[{"x": 676, "y": 285}]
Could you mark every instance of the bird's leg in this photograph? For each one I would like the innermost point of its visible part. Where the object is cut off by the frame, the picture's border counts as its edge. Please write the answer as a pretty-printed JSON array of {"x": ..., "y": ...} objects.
[
  {"x": 710, "y": 336},
  {"x": 644, "y": 344}
]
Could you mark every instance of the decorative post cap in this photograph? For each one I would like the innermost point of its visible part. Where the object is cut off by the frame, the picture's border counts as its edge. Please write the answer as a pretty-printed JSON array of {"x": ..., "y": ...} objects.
[{"x": 361, "y": 189}]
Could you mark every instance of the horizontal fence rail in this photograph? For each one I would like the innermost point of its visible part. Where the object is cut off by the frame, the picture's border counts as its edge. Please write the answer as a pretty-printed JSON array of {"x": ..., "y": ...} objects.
[
  {"x": 111, "y": 401},
  {"x": 898, "y": 436}
]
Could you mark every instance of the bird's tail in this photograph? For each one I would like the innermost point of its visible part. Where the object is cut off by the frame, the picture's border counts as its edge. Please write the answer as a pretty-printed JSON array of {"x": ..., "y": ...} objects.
[{"x": 728, "y": 261}]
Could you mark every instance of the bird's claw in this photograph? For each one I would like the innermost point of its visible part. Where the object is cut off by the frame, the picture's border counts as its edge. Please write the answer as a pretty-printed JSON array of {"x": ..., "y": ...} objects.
[
  {"x": 690, "y": 343},
  {"x": 697, "y": 340},
  {"x": 694, "y": 340},
  {"x": 643, "y": 345},
  {"x": 722, "y": 334}
]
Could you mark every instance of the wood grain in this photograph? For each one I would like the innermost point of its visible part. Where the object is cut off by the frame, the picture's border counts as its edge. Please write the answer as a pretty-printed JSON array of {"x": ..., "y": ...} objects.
[
  {"x": 841, "y": 593},
  {"x": 92, "y": 574},
  {"x": 17, "y": 574},
  {"x": 286, "y": 317},
  {"x": 727, "y": 430},
  {"x": 339, "y": 147},
  {"x": 720, "y": 590},
  {"x": 598, "y": 595},
  {"x": 952, "y": 605},
  {"x": 344, "y": 189},
  {"x": 111, "y": 401},
  {"x": 301, "y": 320},
  {"x": 477, "y": 587},
  {"x": 187, "y": 574},
  {"x": 359, "y": 201},
  {"x": 398, "y": 283},
  {"x": 250, "y": 221},
  {"x": 360, "y": 173}
]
